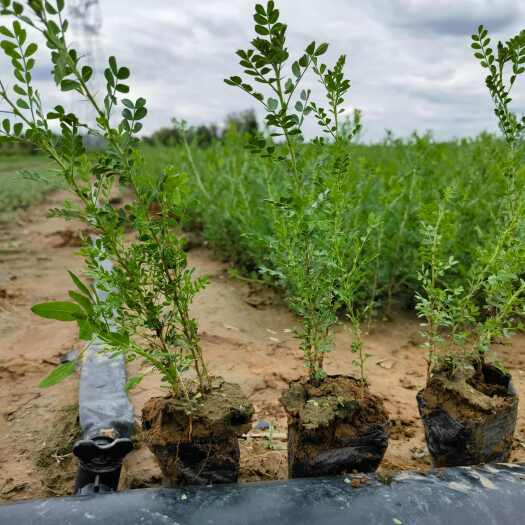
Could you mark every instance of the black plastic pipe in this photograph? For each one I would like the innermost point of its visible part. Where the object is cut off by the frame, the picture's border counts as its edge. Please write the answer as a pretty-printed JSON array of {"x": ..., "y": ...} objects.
[
  {"x": 489, "y": 495},
  {"x": 106, "y": 417}
]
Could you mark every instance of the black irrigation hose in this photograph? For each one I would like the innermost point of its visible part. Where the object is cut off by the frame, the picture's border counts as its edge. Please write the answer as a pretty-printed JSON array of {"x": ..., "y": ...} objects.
[
  {"x": 106, "y": 418},
  {"x": 489, "y": 495}
]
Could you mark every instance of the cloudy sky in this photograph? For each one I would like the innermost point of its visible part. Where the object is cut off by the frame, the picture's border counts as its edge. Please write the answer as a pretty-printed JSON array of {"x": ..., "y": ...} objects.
[{"x": 409, "y": 60}]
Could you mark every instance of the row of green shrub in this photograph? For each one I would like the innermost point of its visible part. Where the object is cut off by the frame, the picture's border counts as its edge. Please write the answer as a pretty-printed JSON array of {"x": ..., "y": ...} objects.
[
  {"x": 24, "y": 180},
  {"x": 394, "y": 186}
]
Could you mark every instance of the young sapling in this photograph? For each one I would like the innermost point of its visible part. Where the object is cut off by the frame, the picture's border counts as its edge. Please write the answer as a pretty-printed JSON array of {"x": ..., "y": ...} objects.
[
  {"x": 469, "y": 406},
  {"x": 146, "y": 313},
  {"x": 307, "y": 248},
  {"x": 141, "y": 307},
  {"x": 306, "y": 270}
]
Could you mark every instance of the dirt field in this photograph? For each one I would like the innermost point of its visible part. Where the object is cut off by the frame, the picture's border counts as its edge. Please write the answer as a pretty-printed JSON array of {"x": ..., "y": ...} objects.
[{"x": 247, "y": 336}]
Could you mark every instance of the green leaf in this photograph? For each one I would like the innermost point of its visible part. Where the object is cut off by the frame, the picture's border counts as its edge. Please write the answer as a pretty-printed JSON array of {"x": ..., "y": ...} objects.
[
  {"x": 79, "y": 284},
  {"x": 273, "y": 104},
  {"x": 273, "y": 16},
  {"x": 140, "y": 113},
  {"x": 69, "y": 85},
  {"x": 321, "y": 50},
  {"x": 18, "y": 8},
  {"x": 113, "y": 65},
  {"x": 133, "y": 382},
  {"x": 59, "y": 374},
  {"x": 82, "y": 300},
  {"x": 261, "y": 30},
  {"x": 123, "y": 73},
  {"x": 85, "y": 330},
  {"x": 59, "y": 311},
  {"x": 30, "y": 50},
  {"x": 122, "y": 88},
  {"x": 296, "y": 69},
  {"x": 50, "y": 9},
  {"x": 87, "y": 73},
  {"x": 10, "y": 49},
  {"x": 128, "y": 103},
  {"x": 6, "y": 124},
  {"x": 4, "y": 31},
  {"x": 127, "y": 114},
  {"x": 311, "y": 48},
  {"x": 109, "y": 77}
]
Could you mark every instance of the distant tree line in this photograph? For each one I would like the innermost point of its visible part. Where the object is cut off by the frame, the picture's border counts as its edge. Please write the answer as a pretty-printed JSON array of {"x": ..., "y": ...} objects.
[{"x": 203, "y": 135}]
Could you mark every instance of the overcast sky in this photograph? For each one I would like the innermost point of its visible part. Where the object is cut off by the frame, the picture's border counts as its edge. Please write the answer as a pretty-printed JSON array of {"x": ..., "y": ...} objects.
[{"x": 410, "y": 62}]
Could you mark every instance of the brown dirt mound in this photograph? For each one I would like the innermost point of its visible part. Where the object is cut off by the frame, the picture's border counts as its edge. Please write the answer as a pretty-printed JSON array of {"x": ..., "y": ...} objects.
[
  {"x": 197, "y": 442},
  {"x": 334, "y": 427},
  {"x": 223, "y": 411}
]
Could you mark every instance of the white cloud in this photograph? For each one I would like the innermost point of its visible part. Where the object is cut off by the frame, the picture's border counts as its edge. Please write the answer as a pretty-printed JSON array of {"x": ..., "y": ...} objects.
[
  {"x": 450, "y": 17},
  {"x": 409, "y": 60}
]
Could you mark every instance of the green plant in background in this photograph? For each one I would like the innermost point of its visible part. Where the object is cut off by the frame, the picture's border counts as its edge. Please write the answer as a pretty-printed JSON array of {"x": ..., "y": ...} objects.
[
  {"x": 307, "y": 215},
  {"x": 436, "y": 301},
  {"x": 388, "y": 180},
  {"x": 489, "y": 300},
  {"x": 150, "y": 289},
  {"x": 358, "y": 309}
]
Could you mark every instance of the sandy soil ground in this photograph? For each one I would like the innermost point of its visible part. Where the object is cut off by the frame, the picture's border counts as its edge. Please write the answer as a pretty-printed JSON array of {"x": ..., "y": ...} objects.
[{"x": 247, "y": 336}]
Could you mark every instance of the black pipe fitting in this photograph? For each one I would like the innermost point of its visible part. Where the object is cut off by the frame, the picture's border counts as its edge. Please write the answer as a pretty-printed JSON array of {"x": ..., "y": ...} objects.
[{"x": 100, "y": 463}]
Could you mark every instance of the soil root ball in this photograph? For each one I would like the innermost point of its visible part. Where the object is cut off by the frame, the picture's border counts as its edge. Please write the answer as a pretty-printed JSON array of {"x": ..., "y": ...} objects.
[
  {"x": 334, "y": 427},
  {"x": 197, "y": 444},
  {"x": 470, "y": 417}
]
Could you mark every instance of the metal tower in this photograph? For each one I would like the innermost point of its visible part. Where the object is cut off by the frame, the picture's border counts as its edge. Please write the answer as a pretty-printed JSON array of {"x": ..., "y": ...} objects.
[{"x": 86, "y": 24}]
